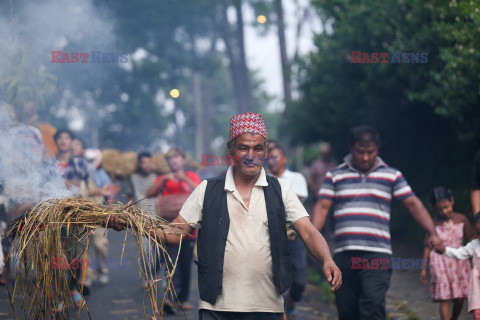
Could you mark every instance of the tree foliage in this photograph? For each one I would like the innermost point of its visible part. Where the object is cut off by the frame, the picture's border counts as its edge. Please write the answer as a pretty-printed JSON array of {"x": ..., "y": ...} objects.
[{"x": 427, "y": 114}]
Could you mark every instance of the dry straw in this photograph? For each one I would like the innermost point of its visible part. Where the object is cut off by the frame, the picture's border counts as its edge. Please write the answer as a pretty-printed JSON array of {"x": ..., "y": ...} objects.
[{"x": 61, "y": 230}]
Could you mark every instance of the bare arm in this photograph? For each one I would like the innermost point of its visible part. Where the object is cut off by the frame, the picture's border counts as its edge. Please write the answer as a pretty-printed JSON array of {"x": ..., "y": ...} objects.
[
  {"x": 183, "y": 176},
  {"x": 423, "y": 274},
  {"x": 420, "y": 214},
  {"x": 155, "y": 189},
  {"x": 475, "y": 199},
  {"x": 169, "y": 234},
  {"x": 173, "y": 235},
  {"x": 318, "y": 247},
  {"x": 320, "y": 212}
]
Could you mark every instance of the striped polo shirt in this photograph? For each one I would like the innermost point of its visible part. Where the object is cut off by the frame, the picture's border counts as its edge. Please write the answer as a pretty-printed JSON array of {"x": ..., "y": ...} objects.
[{"x": 362, "y": 204}]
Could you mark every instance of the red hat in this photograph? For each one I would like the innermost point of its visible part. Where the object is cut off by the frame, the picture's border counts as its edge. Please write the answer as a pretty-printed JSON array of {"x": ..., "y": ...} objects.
[{"x": 247, "y": 123}]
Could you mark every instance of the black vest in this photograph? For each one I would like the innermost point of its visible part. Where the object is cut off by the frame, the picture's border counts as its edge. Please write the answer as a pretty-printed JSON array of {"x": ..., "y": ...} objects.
[{"x": 212, "y": 238}]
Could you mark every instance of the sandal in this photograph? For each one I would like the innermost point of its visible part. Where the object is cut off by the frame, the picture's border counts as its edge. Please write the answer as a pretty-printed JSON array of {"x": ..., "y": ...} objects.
[
  {"x": 78, "y": 300},
  {"x": 59, "y": 308}
]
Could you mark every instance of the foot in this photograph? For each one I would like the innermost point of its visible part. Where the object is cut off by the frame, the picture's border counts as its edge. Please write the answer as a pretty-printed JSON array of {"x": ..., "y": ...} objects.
[
  {"x": 169, "y": 307},
  {"x": 147, "y": 284},
  {"x": 185, "y": 306},
  {"x": 103, "y": 278},
  {"x": 77, "y": 299},
  {"x": 59, "y": 308}
]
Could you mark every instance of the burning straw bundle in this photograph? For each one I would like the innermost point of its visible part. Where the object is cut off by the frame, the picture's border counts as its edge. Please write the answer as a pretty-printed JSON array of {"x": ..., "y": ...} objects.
[{"x": 53, "y": 231}]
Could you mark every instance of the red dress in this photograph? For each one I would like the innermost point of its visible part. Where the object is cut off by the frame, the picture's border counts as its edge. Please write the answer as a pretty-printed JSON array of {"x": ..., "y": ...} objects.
[
  {"x": 449, "y": 277},
  {"x": 173, "y": 187}
]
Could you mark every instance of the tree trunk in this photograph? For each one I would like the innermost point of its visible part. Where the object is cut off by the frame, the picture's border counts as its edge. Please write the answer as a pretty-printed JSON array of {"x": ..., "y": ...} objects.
[
  {"x": 236, "y": 55},
  {"x": 242, "y": 61},
  {"x": 286, "y": 69},
  {"x": 199, "y": 123}
]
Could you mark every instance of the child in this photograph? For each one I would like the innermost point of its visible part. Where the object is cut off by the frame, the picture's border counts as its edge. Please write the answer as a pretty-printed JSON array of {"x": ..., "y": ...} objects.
[
  {"x": 448, "y": 277},
  {"x": 471, "y": 250}
]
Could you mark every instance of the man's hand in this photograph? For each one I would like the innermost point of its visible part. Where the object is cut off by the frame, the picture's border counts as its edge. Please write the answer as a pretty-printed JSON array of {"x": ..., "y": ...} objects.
[
  {"x": 435, "y": 243},
  {"x": 109, "y": 190},
  {"x": 169, "y": 176},
  {"x": 113, "y": 223},
  {"x": 181, "y": 175},
  {"x": 333, "y": 275}
]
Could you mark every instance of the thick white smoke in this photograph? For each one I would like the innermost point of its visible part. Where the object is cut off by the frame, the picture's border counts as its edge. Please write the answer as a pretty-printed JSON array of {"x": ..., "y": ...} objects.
[{"x": 25, "y": 175}]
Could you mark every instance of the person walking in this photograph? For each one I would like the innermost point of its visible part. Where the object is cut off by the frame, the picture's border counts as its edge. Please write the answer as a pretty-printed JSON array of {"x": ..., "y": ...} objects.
[
  {"x": 174, "y": 188},
  {"x": 243, "y": 261},
  {"x": 448, "y": 277},
  {"x": 361, "y": 190},
  {"x": 277, "y": 161}
]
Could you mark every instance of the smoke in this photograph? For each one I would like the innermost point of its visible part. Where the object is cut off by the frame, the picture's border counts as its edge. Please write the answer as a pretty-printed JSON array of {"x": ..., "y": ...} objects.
[
  {"x": 26, "y": 177},
  {"x": 30, "y": 31}
]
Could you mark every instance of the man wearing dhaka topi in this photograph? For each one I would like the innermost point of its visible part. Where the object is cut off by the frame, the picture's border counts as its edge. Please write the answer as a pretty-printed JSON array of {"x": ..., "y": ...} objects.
[{"x": 243, "y": 259}]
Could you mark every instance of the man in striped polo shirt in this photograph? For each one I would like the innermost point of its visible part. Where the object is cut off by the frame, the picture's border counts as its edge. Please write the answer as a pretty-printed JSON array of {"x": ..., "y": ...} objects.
[{"x": 361, "y": 191}]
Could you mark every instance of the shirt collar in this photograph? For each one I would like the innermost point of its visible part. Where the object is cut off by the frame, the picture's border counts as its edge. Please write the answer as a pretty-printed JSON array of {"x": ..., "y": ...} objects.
[
  {"x": 230, "y": 183},
  {"x": 348, "y": 161}
]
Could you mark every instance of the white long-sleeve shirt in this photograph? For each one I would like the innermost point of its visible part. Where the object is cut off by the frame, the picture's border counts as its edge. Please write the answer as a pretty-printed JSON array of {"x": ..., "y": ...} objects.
[{"x": 473, "y": 247}]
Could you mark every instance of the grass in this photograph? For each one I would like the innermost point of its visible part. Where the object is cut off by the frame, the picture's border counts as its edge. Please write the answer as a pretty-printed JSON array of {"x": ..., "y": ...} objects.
[{"x": 315, "y": 278}]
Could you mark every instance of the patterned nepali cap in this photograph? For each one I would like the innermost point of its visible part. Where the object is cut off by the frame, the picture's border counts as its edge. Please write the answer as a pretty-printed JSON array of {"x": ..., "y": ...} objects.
[{"x": 247, "y": 123}]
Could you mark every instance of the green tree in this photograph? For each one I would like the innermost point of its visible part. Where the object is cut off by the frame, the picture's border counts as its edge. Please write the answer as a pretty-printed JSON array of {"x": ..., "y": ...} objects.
[{"x": 337, "y": 94}]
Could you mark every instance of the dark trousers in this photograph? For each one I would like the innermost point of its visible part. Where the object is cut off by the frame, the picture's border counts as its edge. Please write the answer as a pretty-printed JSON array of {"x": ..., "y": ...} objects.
[
  {"x": 222, "y": 315},
  {"x": 299, "y": 268},
  {"x": 363, "y": 290},
  {"x": 181, "y": 279}
]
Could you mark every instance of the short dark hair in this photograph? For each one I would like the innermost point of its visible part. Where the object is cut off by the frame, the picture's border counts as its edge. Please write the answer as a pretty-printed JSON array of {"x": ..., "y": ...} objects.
[
  {"x": 439, "y": 194},
  {"x": 143, "y": 154},
  {"x": 63, "y": 130},
  {"x": 364, "y": 134},
  {"x": 279, "y": 148}
]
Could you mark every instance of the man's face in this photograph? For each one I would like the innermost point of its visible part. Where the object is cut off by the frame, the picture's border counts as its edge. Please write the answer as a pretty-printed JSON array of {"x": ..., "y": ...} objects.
[
  {"x": 145, "y": 164},
  {"x": 64, "y": 142},
  {"x": 248, "y": 153},
  {"x": 364, "y": 156},
  {"x": 176, "y": 162},
  {"x": 77, "y": 148},
  {"x": 276, "y": 161}
]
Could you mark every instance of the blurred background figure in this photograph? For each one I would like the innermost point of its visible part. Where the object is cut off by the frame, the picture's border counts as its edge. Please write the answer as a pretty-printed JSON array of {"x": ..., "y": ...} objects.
[
  {"x": 277, "y": 161},
  {"x": 100, "y": 190},
  {"x": 174, "y": 188},
  {"x": 139, "y": 183},
  {"x": 320, "y": 167},
  {"x": 74, "y": 171}
]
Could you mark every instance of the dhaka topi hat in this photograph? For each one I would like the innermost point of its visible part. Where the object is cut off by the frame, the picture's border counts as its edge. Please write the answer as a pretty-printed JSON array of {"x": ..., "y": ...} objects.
[{"x": 247, "y": 123}]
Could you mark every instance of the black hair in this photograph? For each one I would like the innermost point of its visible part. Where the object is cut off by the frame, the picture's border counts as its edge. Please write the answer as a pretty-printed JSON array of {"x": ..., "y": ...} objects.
[
  {"x": 439, "y": 194},
  {"x": 365, "y": 135},
  {"x": 143, "y": 154},
  {"x": 60, "y": 131},
  {"x": 278, "y": 147}
]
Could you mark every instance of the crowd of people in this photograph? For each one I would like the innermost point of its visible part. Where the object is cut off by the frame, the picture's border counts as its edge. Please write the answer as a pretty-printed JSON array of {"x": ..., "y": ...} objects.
[{"x": 249, "y": 231}]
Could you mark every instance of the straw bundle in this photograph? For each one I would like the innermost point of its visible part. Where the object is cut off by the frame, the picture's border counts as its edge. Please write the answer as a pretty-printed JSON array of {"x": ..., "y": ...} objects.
[
  {"x": 110, "y": 159},
  {"x": 160, "y": 164},
  {"x": 53, "y": 231},
  {"x": 128, "y": 163}
]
